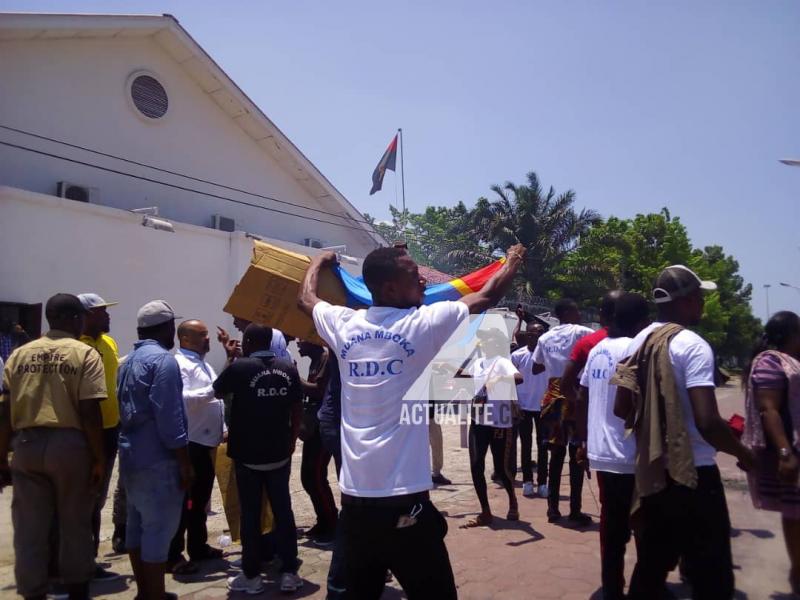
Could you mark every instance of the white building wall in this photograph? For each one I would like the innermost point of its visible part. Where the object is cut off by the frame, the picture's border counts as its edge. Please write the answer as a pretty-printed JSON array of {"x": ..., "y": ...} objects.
[
  {"x": 52, "y": 245},
  {"x": 75, "y": 90}
]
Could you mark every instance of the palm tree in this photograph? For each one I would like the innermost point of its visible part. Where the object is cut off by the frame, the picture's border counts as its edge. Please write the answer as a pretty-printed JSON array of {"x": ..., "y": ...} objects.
[{"x": 545, "y": 223}]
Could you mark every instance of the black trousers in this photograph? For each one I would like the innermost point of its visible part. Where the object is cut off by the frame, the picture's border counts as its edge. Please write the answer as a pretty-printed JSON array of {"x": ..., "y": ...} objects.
[
  {"x": 416, "y": 554},
  {"x": 314, "y": 477},
  {"x": 110, "y": 443},
  {"x": 337, "y": 578},
  {"x": 529, "y": 418},
  {"x": 251, "y": 484},
  {"x": 616, "y": 497},
  {"x": 193, "y": 520},
  {"x": 481, "y": 439},
  {"x": 576, "y": 472},
  {"x": 692, "y": 524}
]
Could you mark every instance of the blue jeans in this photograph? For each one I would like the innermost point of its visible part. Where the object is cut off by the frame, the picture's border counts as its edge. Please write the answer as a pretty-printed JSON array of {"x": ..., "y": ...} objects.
[
  {"x": 155, "y": 500},
  {"x": 251, "y": 483}
]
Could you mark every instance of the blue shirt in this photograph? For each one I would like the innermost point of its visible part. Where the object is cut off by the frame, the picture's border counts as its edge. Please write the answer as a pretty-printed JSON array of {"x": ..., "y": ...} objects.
[
  {"x": 330, "y": 410},
  {"x": 152, "y": 415}
]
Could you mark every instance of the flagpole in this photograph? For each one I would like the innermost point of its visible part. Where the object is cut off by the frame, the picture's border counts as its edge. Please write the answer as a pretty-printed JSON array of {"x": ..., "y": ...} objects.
[{"x": 402, "y": 169}]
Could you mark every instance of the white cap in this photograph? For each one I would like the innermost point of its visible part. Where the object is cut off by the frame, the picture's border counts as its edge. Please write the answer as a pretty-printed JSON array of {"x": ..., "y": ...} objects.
[
  {"x": 90, "y": 301},
  {"x": 155, "y": 313},
  {"x": 677, "y": 281}
]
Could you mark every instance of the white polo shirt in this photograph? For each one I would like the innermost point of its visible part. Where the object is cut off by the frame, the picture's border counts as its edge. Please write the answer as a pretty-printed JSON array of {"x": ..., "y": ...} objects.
[{"x": 382, "y": 351}]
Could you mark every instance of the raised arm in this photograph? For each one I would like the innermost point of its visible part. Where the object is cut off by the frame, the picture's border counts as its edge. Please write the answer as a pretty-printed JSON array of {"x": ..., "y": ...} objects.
[
  {"x": 498, "y": 285},
  {"x": 307, "y": 296}
]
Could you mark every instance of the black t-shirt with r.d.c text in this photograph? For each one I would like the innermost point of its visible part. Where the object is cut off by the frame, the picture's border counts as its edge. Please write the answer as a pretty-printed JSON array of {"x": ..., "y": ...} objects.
[{"x": 263, "y": 390}]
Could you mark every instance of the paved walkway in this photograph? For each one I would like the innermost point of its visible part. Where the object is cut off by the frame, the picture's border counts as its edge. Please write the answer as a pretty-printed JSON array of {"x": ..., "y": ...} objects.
[{"x": 526, "y": 559}]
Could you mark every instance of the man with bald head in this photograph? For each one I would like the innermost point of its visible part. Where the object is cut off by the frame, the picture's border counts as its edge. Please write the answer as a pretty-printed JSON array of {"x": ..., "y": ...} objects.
[{"x": 204, "y": 414}]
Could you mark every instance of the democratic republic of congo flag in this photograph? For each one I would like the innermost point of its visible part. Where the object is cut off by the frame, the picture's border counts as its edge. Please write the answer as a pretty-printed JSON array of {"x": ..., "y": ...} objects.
[
  {"x": 358, "y": 294},
  {"x": 388, "y": 162}
]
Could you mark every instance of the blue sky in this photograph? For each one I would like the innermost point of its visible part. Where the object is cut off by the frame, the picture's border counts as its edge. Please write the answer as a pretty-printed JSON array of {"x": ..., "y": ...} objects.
[{"x": 634, "y": 105}]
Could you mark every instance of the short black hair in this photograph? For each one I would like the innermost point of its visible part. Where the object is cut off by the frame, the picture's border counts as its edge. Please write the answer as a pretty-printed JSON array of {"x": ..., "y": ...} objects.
[
  {"x": 259, "y": 336},
  {"x": 631, "y": 310},
  {"x": 64, "y": 305},
  {"x": 381, "y": 266},
  {"x": 608, "y": 303},
  {"x": 563, "y": 306},
  {"x": 780, "y": 327},
  {"x": 154, "y": 331}
]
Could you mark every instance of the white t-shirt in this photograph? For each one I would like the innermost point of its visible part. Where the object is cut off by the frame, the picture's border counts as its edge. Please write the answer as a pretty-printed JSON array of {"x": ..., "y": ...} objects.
[
  {"x": 531, "y": 391},
  {"x": 693, "y": 365},
  {"x": 606, "y": 446},
  {"x": 497, "y": 374},
  {"x": 382, "y": 351},
  {"x": 554, "y": 347}
]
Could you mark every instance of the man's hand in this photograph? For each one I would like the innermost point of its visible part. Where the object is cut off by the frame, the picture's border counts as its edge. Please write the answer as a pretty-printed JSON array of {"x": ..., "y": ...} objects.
[
  {"x": 520, "y": 312},
  {"x": 747, "y": 460},
  {"x": 328, "y": 258},
  {"x": 222, "y": 336},
  {"x": 788, "y": 469},
  {"x": 96, "y": 476},
  {"x": 233, "y": 349},
  {"x": 307, "y": 297},
  {"x": 580, "y": 456},
  {"x": 516, "y": 252}
]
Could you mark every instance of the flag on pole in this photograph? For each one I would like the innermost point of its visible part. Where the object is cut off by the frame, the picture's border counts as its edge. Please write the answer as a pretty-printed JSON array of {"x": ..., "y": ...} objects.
[{"x": 388, "y": 161}]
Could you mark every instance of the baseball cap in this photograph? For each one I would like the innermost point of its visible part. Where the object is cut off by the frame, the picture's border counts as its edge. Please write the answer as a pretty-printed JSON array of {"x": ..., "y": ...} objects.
[
  {"x": 155, "y": 313},
  {"x": 677, "y": 281},
  {"x": 64, "y": 304},
  {"x": 90, "y": 301}
]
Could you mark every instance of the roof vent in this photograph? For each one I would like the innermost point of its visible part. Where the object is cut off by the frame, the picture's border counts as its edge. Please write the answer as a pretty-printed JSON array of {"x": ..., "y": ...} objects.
[
  {"x": 80, "y": 193},
  {"x": 224, "y": 223},
  {"x": 149, "y": 96}
]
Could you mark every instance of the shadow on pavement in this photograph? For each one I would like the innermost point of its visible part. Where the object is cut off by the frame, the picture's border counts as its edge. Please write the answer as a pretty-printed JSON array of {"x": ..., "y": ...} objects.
[
  {"x": 762, "y": 534},
  {"x": 112, "y": 587},
  {"x": 523, "y": 526}
]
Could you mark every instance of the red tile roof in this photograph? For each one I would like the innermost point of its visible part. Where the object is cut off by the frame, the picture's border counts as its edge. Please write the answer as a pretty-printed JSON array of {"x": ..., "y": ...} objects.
[{"x": 433, "y": 276}]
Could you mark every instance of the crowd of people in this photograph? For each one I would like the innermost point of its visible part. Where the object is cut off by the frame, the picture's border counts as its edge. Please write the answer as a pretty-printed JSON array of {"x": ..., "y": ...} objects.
[{"x": 71, "y": 407}]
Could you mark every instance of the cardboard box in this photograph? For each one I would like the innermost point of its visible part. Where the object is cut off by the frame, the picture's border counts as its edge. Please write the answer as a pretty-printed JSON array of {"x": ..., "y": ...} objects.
[{"x": 267, "y": 292}]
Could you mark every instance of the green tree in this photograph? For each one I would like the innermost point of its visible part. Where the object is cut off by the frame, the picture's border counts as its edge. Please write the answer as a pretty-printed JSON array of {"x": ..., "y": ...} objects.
[
  {"x": 630, "y": 253},
  {"x": 546, "y": 223},
  {"x": 436, "y": 238}
]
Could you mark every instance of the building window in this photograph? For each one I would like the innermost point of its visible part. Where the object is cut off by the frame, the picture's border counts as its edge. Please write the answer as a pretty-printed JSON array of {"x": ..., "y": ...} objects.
[{"x": 148, "y": 95}]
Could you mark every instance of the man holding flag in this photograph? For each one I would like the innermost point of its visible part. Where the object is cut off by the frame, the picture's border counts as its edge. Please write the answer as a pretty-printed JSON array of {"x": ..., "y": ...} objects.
[{"x": 388, "y": 519}]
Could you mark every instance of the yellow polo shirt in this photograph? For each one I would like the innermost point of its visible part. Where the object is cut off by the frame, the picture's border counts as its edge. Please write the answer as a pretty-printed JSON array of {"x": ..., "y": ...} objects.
[
  {"x": 45, "y": 380},
  {"x": 107, "y": 348}
]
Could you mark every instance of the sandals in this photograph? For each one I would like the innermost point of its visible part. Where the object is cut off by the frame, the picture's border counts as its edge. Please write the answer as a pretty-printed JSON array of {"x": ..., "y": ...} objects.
[
  {"x": 182, "y": 567},
  {"x": 480, "y": 521}
]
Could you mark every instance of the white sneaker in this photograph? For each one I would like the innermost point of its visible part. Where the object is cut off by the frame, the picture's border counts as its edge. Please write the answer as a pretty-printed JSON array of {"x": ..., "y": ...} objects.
[
  {"x": 527, "y": 489},
  {"x": 543, "y": 491},
  {"x": 290, "y": 582},
  {"x": 248, "y": 585}
]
